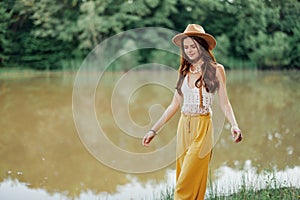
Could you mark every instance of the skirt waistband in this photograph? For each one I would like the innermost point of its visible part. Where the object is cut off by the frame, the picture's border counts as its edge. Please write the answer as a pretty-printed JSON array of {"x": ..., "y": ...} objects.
[{"x": 194, "y": 114}]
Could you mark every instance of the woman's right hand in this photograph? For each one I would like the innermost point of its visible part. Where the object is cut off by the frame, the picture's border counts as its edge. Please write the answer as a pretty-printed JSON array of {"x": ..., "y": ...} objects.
[
  {"x": 148, "y": 137},
  {"x": 168, "y": 114}
]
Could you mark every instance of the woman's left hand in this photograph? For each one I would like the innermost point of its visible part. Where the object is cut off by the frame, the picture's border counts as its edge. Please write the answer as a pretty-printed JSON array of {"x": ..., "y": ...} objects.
[{"x": 236, "y": 134}]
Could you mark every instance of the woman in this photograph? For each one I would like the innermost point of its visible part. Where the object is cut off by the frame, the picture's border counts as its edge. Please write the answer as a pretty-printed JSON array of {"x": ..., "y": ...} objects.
[{"x": 200, "y": 77}]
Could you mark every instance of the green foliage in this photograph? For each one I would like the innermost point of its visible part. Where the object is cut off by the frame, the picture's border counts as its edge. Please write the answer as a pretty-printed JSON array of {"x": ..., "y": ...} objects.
[
  {"x": 89, "y": 24},
  {"x": 165, "y": 58},
  {"x": 249, "y": 20},
  {"x": 167, "y": 194},
  {"x": 49, "y": 53},
  {"x": 127, "y": 60},
  {"x": 223, "y": 54},
  {"x": 249, "y": 194},
  {"x": 5, "y": 40},
  {"x": 294, "y": 52},
  {"x": 222, "y": 50},
  {"x": 43, "y": 33},
  {"x": 271, "y": 51},
  {"x": 272, "y": 190}
]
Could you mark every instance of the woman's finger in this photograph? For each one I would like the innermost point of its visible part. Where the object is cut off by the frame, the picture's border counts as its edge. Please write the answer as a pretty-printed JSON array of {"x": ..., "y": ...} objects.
[
  {"x": 146, "y": 141},
  {"x": 239, "y": 137}
]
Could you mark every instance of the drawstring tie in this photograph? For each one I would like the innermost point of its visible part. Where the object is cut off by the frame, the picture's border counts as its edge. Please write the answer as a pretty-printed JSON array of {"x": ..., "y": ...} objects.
[{"x": 188, "y": 124}]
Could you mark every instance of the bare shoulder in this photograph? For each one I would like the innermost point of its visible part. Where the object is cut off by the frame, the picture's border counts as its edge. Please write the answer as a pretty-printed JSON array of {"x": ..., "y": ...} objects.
[
  {"x": 219, "y": 66},
  {"x": 220, "y": 72}
]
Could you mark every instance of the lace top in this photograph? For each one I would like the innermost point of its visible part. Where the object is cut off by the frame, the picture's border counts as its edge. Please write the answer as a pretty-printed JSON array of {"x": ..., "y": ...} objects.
[{"x": 191, "y": 99}]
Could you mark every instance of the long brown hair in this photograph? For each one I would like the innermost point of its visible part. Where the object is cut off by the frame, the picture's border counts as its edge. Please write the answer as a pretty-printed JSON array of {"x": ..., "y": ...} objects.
[{"x": 208, "y": 78}]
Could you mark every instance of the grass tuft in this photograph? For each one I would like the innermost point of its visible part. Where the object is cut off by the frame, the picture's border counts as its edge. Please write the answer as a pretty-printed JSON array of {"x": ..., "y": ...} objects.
[{"x": 272, "y": 190}]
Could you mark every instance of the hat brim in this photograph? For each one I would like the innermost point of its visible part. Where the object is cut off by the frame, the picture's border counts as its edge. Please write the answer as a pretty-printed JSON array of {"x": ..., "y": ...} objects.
[{"x": 211, "y": 41}]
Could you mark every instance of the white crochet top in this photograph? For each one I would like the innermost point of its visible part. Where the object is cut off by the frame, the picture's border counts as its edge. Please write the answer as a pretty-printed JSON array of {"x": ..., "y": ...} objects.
[{"x": 191, "y": 99}]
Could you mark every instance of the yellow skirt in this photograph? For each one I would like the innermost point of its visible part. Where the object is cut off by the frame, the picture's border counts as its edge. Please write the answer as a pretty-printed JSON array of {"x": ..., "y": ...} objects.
[{"x": 194, "y": 147}]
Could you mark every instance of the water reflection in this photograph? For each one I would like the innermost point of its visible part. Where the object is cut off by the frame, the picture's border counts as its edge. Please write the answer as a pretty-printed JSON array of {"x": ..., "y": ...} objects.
[
  {"x": 43, "y": 158},
  {"x": 224, "y": 184},
  {"x": 135, "y": 189}
]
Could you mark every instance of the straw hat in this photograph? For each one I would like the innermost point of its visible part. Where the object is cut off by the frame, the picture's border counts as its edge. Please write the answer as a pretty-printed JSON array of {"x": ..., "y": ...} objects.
[{"x": 195, "y": 30}]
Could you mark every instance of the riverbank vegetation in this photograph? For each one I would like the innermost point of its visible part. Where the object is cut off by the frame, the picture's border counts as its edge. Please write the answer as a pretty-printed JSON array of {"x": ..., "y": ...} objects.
[
  {"x": 276, "y": 192},
  {"x": 55, "y": 34},
  {"x": 288, "y": 193},
  {"x": 267, "y": 187}
]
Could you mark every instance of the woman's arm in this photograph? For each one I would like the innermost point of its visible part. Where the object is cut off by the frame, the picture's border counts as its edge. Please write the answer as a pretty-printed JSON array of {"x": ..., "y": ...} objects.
[
  {"x": 167, "y": 115},
  {"x": 226, "y": 105}
]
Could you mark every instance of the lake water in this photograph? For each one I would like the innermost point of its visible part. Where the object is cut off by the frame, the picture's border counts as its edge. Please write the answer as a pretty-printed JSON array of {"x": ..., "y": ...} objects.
[{"x": 43, "y": 155}]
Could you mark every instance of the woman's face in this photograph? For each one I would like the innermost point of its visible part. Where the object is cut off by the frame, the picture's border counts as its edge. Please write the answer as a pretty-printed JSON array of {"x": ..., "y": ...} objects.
[{"x": 191, "y": 49}]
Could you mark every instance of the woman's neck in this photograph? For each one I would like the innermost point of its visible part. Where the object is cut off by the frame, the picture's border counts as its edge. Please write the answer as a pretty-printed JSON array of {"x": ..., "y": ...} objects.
[{"x": 198, "y": 63}]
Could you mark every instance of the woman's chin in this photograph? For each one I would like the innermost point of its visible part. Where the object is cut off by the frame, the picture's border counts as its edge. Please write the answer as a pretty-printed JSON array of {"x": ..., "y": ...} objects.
[{"x": 193, "y": 59}]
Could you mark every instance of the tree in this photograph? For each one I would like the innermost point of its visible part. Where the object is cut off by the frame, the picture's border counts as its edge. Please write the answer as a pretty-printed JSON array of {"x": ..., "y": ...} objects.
[
  {"x": 42, "y": 33},
  {"x": 270, "y": 51},
  {"x": 294, "y": 47},
  {"x": 5, "y": 40}
]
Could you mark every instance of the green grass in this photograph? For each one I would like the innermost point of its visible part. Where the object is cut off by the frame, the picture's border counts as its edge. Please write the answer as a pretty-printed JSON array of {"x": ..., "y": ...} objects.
[
  {"x": 272, "y": 190},
  {"x": 285, "y": 193},
  {"x": 167, "y": 194}
]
